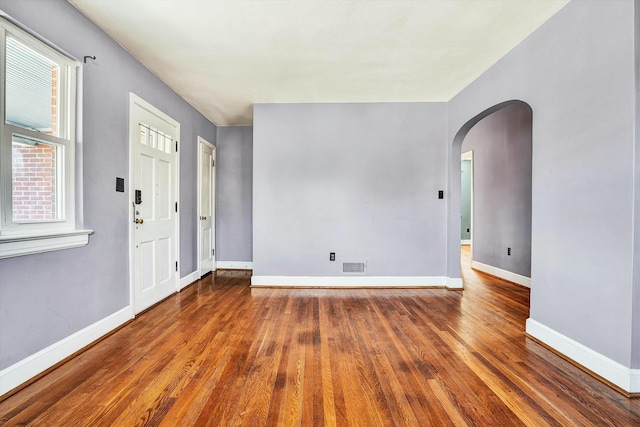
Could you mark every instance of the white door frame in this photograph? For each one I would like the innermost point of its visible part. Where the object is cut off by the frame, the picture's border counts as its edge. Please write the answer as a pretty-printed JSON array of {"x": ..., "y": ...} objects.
[
  {"x": 136, "y": 101},
  {"x": 468, "y": 155},
  {"x": 213, "y": 201}
]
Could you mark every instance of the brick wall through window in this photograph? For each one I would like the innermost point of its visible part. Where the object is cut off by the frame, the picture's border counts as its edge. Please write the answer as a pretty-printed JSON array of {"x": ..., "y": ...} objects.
[{"x": 34, "y": 182}]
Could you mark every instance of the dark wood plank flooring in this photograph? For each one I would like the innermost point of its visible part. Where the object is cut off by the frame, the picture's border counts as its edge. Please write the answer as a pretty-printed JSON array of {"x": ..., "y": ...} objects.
[{"x": 221, "y": 353}]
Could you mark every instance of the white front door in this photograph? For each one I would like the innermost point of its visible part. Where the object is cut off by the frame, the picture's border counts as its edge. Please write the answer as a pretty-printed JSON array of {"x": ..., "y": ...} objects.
[
  {"x": 153, "y": 140},
  {"x": 206, "y": 214}
]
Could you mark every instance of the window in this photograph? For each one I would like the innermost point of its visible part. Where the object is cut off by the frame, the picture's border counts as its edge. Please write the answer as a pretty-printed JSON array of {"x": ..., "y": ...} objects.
[
  {"x": 155, "y": 139},
  {"x": 37, "y": 146}
]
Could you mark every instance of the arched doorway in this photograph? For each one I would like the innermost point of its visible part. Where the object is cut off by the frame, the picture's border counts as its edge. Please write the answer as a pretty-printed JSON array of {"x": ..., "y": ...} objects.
[{"x": 500, "y": 138}]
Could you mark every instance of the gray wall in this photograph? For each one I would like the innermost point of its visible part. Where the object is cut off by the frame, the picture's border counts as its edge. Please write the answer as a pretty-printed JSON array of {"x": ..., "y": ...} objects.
[
  {"x": 635, "y": 357},
  {"x": 360, "y": 180},
  {"x": 501, "y": 144},
  {"x": 577, "y": 74},
  {"x": 465, "y": 200},
  {"x": 234, "y": 182},
  {"x": 47, "y": 297}
]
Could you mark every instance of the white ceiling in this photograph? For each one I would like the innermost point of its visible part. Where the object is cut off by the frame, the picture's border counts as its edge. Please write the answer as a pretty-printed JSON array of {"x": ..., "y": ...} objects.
[{"x": 223, "y": 56}]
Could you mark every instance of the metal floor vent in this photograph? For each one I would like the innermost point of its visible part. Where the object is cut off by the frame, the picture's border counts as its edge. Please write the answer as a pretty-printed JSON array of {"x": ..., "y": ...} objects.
[{"x": 354, "y": 268}]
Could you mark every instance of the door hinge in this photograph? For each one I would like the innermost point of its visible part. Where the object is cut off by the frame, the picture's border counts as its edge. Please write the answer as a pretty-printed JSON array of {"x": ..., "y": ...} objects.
[
  {"x": 176, "y": 146},
  {"x": 176, "y": 206},
  {"x": 213, "y": 252},
  {"x": 176, "y": 265},
  {"x": 213, "y": 163}
]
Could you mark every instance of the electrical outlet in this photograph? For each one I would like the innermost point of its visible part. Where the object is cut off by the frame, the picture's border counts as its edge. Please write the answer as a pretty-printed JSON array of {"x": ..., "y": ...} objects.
[
  {"x": 468, "y": 230},
  {"x": 509, "y": 251},
  {"x": 440, "y": 194},
  {"x": 332, "y": 256}
]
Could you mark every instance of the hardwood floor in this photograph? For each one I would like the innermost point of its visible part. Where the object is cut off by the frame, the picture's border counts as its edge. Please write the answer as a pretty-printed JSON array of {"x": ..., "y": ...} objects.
[{"x": 221, "y": 353}]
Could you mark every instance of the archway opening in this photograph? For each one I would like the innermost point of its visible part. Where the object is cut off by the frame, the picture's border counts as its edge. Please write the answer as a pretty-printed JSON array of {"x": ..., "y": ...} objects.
[{"x": 499, "y": 140}]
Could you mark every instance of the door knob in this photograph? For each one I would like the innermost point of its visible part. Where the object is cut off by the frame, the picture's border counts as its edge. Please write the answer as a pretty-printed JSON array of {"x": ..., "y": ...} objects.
[{"x": 139, "y": 221}]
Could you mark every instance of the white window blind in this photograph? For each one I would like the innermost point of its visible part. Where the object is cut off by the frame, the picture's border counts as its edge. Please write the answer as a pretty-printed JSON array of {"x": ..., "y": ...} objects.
[{"x": 29, "y": 88}]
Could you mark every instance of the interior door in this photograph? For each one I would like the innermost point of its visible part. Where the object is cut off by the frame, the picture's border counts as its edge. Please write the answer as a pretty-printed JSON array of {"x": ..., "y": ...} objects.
[
  {"x": 154, "y": 196},
  {"x": 207, "y": 207}
]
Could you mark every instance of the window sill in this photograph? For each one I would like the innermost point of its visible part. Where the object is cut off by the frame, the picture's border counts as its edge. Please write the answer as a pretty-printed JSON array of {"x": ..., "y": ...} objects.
[{"x": 12, "y": 246}]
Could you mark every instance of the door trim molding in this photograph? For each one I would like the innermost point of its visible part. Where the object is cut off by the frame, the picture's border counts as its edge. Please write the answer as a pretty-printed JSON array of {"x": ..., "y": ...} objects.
[
  {"x": 136, "y": 101},
  {"x": 201, "y": 140},
  {"x": 468, "y": 155}
]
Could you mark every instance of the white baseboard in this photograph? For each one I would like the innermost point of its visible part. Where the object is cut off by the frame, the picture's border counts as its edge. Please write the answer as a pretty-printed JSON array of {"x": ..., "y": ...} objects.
[
  {"x": 454, "y": 283},
  {"x": 625, "y": 378},
  {"x": 188, "y": 279},
  {"x": 503, "y": 274},
  {"x": 22, "y": 371},
  {"x": 235, "y": 265},
  {"x": 350, "y": 281}
]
